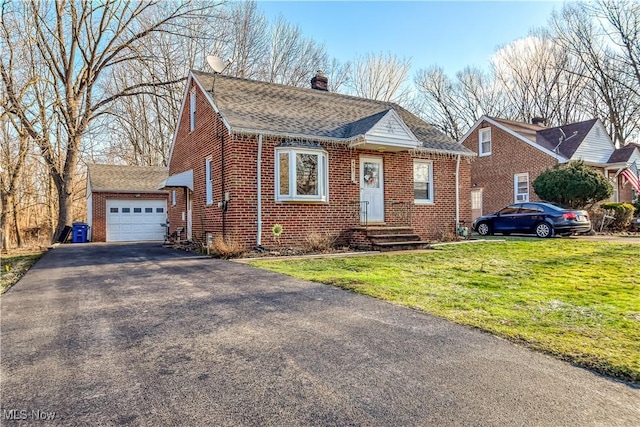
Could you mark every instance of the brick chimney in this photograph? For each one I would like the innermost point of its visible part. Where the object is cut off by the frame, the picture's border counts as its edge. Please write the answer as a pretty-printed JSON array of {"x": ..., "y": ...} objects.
[
  {"x": 320, "y": 81},
  {"x": 540, "y": 121}
]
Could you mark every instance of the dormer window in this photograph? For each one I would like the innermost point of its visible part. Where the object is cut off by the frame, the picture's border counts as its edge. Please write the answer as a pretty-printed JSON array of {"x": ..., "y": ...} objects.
[{"x": 484, "y": 144}]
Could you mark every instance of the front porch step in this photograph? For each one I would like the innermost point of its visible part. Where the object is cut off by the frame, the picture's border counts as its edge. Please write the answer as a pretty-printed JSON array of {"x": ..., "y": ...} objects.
[
  {"x": 373, "y": 230},
  {"x": 386, "y": 238},
  {"x": 401, "y": 246}
]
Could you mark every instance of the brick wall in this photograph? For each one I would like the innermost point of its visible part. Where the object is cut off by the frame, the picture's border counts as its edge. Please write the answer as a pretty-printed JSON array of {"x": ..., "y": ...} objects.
[
  {"x": 99, "y": 220},
  {"x": 495, "y": 173},
  {"x": 298, "y": 219}
]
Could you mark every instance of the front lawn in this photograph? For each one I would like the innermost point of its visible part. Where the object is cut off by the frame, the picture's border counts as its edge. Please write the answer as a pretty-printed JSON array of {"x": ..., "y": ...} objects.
[
  {"x": 15, "y": 266},
  {"x": 577, "y": 300}
]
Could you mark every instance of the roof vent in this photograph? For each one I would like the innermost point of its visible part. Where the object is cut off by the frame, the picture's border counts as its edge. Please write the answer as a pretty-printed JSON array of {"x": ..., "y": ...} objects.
[{"x": 320, "y": 81}]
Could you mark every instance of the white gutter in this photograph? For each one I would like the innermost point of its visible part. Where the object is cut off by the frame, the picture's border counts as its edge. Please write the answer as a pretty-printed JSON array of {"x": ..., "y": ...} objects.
[
  {"x": 259, "y": 171},
  {"x": 458, "y": 191}
]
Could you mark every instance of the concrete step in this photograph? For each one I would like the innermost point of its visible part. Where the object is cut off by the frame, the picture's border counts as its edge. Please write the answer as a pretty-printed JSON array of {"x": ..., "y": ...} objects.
[
  {"x": 375, "y": 230},
  {"x": 401, "y": 246},
  {"x": 381, "y": 238}
]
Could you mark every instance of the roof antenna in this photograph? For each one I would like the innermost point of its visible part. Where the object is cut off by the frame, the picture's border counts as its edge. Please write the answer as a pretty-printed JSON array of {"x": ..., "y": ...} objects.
[
  {"x": 563, "y": 138},
  {"x": 218, "y": 66}
]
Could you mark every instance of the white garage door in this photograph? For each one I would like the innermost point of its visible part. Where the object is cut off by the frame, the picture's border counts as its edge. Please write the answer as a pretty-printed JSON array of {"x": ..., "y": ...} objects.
[{"x": 134, "y": 220}]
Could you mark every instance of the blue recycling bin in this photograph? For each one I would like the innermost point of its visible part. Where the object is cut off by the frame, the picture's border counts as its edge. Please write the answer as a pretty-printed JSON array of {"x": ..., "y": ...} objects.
[{"x": 80, "y": 231}]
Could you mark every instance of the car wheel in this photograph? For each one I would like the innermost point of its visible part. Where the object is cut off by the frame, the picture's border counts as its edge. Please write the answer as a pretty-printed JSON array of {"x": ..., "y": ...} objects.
[
  {"x": 484, "y": 229},
  {"x": 544, "y": 230}
]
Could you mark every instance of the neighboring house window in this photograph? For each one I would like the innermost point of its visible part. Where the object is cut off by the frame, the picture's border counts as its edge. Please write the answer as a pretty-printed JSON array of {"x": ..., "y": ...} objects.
[
  {"x": 192, "y": 109},
  {"x": 173, "y": 197},
  {"x": 422, "y": 181},
  {"x": 208, "y": 180},
  {"x": 484, "y": 136},
  {"x": 301, "y": 175},
  {"x": 521, "y": 187}
]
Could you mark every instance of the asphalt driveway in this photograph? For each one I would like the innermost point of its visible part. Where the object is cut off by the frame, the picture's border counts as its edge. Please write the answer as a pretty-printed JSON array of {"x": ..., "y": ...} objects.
[{"x": 135, "y": 334}]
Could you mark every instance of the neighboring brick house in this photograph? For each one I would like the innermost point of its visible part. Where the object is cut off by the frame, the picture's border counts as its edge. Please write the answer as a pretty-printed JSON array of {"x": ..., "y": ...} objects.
[
  {"x": 124, "y": 203},
  {"x": 512, "y": 154},
  {"x": 247, "y": 155}
]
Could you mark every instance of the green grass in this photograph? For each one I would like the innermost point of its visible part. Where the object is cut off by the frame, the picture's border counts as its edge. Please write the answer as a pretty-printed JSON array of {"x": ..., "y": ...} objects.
[
  {"x": 13, "y": 267},
  {"x": 577, "y": 300}
]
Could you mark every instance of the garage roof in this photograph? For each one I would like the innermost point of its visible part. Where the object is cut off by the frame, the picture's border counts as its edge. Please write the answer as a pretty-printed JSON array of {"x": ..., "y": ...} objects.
[{"x": 125, "y": 179}]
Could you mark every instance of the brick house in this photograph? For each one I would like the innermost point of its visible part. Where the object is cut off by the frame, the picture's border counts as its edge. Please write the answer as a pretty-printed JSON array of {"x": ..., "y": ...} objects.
[
  {"x": 247, "y": 155},
  {"x": 124, "y": 203},
  {"x": 512, "y": 154}
]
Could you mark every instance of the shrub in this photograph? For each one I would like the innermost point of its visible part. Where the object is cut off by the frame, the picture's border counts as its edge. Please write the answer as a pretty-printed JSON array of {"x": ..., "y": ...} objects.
[
  {"x": 623, "y": 212},
  {"x": 225, "y": 248},
  {"x": 573, "y": 185},
  {"x": 319, "y": 242},
  {"x": 636, "y": 205}
]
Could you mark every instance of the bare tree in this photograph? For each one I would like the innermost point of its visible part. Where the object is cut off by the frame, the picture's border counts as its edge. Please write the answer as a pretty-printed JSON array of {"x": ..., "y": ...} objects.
[
  {"x": 292, "y": 59},
  {"x": 437, "y": 101},
  {"x": 381, "y": 76},
  {"x": 610, "y": 73},
  {"x": 79, "y": 43}
]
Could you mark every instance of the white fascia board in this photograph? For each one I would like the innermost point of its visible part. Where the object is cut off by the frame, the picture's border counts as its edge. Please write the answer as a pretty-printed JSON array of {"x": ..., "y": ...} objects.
[
  {"x": 213, "y": 104},
  {"x": 184, "y": 100},
  {"x": 473, "y": 127},
  {"x": 558, "y": 157}
]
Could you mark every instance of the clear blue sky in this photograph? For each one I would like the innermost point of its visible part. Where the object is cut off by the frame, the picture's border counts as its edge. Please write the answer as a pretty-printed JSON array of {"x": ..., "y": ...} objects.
[{"x": 450, "y": 34}]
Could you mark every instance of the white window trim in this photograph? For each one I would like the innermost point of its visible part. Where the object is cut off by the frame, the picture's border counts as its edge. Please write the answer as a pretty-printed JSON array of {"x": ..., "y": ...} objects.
[
  {"x": 173, "y": 197},
  {"x": 323, "y": 178},
  {"x": 208, "y": 180},
  {"x": 515, "y": 187},
  {"x": 192, "y": 109},
  {"x": 480, "y": 140},
  {"x": 430, "y": 200}
]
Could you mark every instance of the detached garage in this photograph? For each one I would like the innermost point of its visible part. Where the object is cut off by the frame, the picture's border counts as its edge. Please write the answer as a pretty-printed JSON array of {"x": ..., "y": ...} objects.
[{"x": 124, "y": 203}]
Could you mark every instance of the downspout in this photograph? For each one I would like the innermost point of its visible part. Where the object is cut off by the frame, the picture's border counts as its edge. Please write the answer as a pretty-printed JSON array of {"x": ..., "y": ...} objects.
[
  {"x": 224, "y": 199},
  {"x": 458, "y": 191},
  {"x": 259, "y": 189}
]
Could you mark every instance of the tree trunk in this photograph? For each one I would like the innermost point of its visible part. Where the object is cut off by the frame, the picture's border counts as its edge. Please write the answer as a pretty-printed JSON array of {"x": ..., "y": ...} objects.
[
  {"x": 65, "y": 204},
  {"x": 4, "y": 221},
  {"x": 16, "y": 225}
]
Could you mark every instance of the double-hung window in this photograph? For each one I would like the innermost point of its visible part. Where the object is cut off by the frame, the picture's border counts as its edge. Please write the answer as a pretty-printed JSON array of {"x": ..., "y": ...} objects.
[
  {"x": 422, "y": 181},
  {"x": 484, "y": 145},
  {"x": 192, "y": 109},
  {"x": 208, "y": 180},
  {"x": 301, "y": 174},
  {"x": 521, "y": 187}
]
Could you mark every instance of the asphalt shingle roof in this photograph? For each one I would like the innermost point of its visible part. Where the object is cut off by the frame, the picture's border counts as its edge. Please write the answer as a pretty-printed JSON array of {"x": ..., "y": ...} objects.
[
  {"x": 259, "y": 107},
  {"x": 117, "y": 178},
  {"x": 549, "y": 138},
  {"x": 527, "y": 130},
  {"x": 574, "y": 134},
  {"x": 623, "y": 154}
]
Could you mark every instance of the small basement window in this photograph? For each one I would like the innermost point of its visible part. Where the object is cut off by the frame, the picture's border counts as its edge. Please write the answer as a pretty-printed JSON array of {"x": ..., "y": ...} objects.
[{"x": 301, "y": 174}]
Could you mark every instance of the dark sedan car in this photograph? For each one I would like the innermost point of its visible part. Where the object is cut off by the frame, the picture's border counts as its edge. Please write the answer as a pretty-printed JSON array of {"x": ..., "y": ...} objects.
[{"x": 541, "y": 219}]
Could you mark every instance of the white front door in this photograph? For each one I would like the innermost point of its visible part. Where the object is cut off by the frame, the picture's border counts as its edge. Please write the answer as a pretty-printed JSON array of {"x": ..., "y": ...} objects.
[
  {"x": 371, "y": 189},
  {"x": 189, "y": 214}
]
